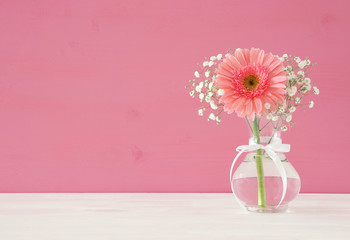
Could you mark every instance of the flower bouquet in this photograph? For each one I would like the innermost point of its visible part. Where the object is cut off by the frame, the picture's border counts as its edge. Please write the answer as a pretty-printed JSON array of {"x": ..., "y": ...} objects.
[{"x": 266, "y": 90}]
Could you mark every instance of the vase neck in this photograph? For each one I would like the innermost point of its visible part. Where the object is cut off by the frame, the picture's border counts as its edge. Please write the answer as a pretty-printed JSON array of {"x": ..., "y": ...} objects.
[
  {"x": 264, "y": 140},
  {"x": 267, "y": 132}
]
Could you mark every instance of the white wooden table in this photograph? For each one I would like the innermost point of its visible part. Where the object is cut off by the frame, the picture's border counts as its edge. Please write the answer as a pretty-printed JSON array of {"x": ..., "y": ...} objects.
[{"x": 167, "y": 216}]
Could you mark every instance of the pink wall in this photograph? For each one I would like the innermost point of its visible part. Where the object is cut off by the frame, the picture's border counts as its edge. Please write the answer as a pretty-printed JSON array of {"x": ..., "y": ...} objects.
[{"x": 92, "y": 94}]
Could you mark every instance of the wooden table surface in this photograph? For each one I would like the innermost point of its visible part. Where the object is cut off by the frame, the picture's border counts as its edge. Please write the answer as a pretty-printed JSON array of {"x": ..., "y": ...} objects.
[{"x": 167, "y": 216}]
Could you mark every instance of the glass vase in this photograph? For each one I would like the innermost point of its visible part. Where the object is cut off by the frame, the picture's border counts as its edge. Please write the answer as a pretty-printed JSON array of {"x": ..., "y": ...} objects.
[{"x": 257, "y": 182}]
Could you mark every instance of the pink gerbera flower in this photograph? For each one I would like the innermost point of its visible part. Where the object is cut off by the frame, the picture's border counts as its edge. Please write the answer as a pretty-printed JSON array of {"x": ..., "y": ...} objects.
[{"x": 250, "y": 79}]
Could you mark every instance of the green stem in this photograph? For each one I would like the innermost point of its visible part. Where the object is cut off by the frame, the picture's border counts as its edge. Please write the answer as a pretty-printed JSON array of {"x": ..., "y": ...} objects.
[{"x": 259, "y": 166}]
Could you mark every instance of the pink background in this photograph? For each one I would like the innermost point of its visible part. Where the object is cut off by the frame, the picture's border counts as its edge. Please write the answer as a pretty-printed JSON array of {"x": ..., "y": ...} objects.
[{"x": 92, "y": 94}]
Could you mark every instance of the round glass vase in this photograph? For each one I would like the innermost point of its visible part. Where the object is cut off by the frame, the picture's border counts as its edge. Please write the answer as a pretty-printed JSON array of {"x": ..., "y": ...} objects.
[{"x": 245, "y": 179}]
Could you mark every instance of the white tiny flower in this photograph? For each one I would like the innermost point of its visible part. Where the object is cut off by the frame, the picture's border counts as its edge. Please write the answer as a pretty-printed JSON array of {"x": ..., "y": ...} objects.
[
  {"x": 281, "y": 109},
  {"x": 284, "y": 128},
  {"x": 307, "y": 80},
  {"x": 219, "y": 56},
  {"x": 211, "y": 117},
  {"x": 301, "y": 73},
  {"x": 200, "y": 112},
  {"x": 210, "y": 86},
  {"x": 316, "y": 91},
  {"x": 297, "y": 59},
  {"x": 293, "y": 76},
  {"x": 214, "y": 77},
  {"x": 302, "y": 64},
  {"x": 192, "y": 93},
  {"x": 308, "y": 62},
  {"x": 300, "y": 81},
  {"x": 210, "y": 94},
  {"x": 218, "y": 119},
  {"x": 297, "y": 100},
  {"x": 308, "y": 87},
  {"x": 288, "y": 68},
  {"x": 285, "y": 55},
  {"x": 201, "y": 96},
  {"x": 281, "y": 59},
  {"x": 207, "y": 74},
  {"x": 208, "y": 98},
  {"x": 290, "y": 78},
  {"x": 206, "y": 85},
  {"x": 311, "y": 104},
  {"x": 291, "y": 91},
  {"x": 221, "y": 92},
  {"x": 198, "y": 89},
  {"x": 267, "y": 105},
  {"x": 292, "y": 109},
  {"x": 284, "y": 105},
  {"x": 206, "y": 63},
  {"x": 289, "y": 118},
  {"x": 274, "y": 118},
  {"x": 213, "y": 58},
  {"x": 211, "y": 63},
  {"x": 201, "y": 84},
  {"x": 213, "y": 105},
  {"x": 269, "y": 116},
  {"x": 196, "y": 74}
]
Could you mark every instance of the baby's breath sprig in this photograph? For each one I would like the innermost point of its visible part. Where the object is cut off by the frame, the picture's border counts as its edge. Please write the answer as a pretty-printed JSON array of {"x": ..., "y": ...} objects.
[
  {"x": 203, "y": 86},
  {"x": 299, "y": 86}
]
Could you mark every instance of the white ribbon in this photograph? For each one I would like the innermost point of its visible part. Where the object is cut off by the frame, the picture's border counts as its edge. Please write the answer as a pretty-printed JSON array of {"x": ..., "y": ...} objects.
[{"x": 271, "y": 149}]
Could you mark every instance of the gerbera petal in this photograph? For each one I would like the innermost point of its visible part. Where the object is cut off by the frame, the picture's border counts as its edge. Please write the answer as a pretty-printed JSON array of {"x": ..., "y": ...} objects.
[
  {"x": 240, "y": 58},
  {"x": 228, "y": 65},
  {"x": 275, "y": 63},
  {"x": 254, "y": 55},
  {"x": 229, "y": 107},
  {"x": 268, "y": 58},
  {"x": 223, "y": 83},
  {"x": 249, "y": 107},
  {"x": 270, "y": 100},
  {"x": 227, "y": 98},
  {"x": 275, "y": 96},
  {"x": 251, "y": 116},
  {"x": 278, "y": 79},
  {"x": 238, "y": 103},
  {"x": 277, "y": 90},
  {"x": 258, "y": 105},
  {"x": 235, "y": 62},
  {"x": 224, "y": 72},
  {"x": 278, "y": 85},
  {"x": 278, "y": 70},
  {"x": 260, "y": 57}
]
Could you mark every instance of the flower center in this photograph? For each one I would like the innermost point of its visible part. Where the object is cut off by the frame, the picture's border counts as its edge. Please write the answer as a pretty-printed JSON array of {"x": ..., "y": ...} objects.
[{"x": 251, "y": 82}]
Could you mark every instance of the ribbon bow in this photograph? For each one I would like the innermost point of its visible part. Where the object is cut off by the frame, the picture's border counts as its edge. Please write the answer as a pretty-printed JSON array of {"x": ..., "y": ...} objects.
[{"x": 270, "y": 149}]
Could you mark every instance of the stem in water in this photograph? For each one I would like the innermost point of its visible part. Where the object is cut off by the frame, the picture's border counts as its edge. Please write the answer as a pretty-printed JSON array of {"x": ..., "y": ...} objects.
[{"x": 259, "y": 166}]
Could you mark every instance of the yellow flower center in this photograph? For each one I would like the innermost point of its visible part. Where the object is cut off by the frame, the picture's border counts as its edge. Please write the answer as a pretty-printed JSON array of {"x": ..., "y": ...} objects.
[{"x": 251, "y": 82}]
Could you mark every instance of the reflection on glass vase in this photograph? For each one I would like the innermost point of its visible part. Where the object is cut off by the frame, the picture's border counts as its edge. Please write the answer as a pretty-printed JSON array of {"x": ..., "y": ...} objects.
[{"x": 257, "y": 182}]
